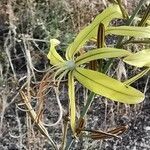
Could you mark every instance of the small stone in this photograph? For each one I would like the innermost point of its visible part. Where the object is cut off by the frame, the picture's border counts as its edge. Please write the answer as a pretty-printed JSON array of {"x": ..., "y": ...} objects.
[{"x": 147, "y": 128}]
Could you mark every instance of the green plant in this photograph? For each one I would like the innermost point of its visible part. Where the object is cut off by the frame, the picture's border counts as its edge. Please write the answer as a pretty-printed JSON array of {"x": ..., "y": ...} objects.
[
  {"x": 75, "y": 65},
  {"x": 99, "y": 83}
]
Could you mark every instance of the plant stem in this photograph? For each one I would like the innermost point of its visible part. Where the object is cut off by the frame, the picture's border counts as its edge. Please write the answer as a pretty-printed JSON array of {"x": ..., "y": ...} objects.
[
  {"x": 69, "y": 144},
  {"x": 83, "y": 113},
  {"x": 124, "y": 13},
  {"x": 65, "y": 133},
  {"x": 136, "y": 42},
  {"x": 130, "y": 20},
  {"x": 141, "y": 23},
  {"x": 145, "y": 17},
  {"x": 88, "y": 104}
]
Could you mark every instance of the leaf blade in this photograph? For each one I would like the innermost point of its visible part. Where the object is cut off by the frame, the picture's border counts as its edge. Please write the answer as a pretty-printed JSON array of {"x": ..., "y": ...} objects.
[
  {"x": 91, "y": 31},
  {"x": 140, "y": 32},
  {"x": 139, "y": 59},
  {"x": 103, "y": 85},
  {"x": 101, "y": 53},
  {"x": 72, "y": 100},
  {"x": 53, "y": 56}
]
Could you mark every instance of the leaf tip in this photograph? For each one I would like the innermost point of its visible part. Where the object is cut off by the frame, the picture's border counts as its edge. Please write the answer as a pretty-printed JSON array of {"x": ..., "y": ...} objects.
[{"x": 54, "y": 42}]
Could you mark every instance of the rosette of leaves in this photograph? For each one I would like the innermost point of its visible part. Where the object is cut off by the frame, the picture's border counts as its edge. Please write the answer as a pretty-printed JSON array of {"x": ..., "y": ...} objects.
[{"x": 74, "y": 65}]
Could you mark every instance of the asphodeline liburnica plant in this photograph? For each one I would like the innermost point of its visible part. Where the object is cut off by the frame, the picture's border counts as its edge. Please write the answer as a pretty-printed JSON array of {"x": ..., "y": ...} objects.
[{"x": 74, "y": 64}]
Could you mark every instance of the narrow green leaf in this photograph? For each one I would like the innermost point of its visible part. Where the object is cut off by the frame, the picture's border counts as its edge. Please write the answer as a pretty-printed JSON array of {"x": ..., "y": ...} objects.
[
  {"x": 136, "y": 77},
  {"x": 101, "y": 53},
  {"x": 140, "y": 32},
  {"x": 91, "y": 31},
  {"x": 106, "y": 86},
  {"x": 139, "y": 59},
  {"x": 72, "y": 100},
  {"x": 53, "y": 56},
  {"x": 124, "y": 12},
  {"x": 145, "y": 17}
]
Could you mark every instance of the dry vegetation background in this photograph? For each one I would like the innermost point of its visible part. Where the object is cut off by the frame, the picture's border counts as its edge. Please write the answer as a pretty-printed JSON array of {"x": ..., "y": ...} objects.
[{"x": 25, "y": 29}]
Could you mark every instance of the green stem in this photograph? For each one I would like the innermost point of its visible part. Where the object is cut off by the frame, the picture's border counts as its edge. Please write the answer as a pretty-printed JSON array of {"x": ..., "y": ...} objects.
[
  {"x": 141, "y": 23},
  {"x": 83, "y": 113},
  {"x": 145, "y": 17},
  {"x": 64, "y": 139},
  {"x": 130, "y": 20},
  {"x": 124, "y": 13},
  {"x": 136, "y": 42},
  {"x": 69, "y": 144},
  {"x": 88, "y": 104}
]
